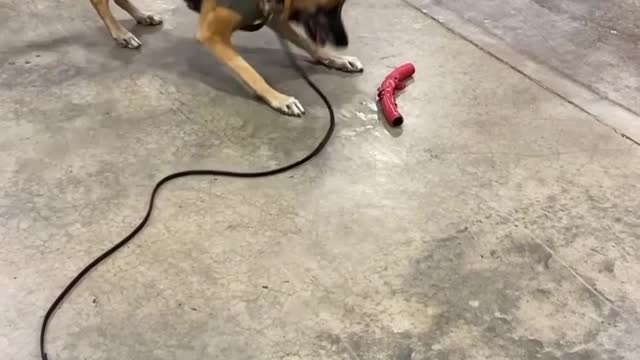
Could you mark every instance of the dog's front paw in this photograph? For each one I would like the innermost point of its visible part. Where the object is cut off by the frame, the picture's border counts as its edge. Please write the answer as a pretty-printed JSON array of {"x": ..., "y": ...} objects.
[
  {"x": 343, "y": 63},
  {"x": 287, "y": 105},
  {"x": 126, "y": 39},
  {"x": 149, "y": 20}
]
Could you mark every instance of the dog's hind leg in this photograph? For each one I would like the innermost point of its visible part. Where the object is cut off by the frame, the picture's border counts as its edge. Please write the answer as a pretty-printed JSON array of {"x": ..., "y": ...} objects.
[
  {"x": 118, "y": 32},
  {"x": 140, "y": 16}
]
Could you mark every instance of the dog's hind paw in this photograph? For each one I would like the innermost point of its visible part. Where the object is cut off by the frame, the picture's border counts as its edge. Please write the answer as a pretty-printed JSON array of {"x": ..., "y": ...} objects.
[
  {"x": 149, "y": 20},
  {"x": 127, "y": 40}
]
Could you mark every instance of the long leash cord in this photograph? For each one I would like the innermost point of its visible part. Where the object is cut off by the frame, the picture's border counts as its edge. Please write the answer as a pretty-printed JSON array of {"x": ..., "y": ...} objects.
[{"x": 168, "y": 178}]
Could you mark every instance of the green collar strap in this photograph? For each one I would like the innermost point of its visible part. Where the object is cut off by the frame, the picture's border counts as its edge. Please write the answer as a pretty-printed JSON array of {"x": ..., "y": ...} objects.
[{"x": 256, "y": 13}]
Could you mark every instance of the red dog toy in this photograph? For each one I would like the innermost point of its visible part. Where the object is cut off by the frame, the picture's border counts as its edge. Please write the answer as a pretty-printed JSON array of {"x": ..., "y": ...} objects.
[{"x": 395, "y": 81}]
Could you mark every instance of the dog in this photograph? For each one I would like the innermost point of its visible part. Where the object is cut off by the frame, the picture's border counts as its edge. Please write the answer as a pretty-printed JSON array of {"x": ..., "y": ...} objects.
[{"x": 219, "y": 19}]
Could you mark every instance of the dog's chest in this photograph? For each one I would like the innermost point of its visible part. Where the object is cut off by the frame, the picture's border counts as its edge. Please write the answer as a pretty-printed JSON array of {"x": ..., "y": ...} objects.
[{"x": 254, "y": 13}]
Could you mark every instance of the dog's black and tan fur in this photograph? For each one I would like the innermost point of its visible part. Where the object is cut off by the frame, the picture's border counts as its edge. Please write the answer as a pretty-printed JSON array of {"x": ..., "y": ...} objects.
[{"x": 321, "y": 20}]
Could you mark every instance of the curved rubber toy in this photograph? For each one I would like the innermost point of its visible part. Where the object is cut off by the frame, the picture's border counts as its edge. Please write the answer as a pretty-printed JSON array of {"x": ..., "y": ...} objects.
[{"x": 395, "y": 81}]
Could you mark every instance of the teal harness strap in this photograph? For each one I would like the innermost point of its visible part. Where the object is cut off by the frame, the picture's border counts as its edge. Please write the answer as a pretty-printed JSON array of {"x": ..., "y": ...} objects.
[{"x": 253, "y": 19}]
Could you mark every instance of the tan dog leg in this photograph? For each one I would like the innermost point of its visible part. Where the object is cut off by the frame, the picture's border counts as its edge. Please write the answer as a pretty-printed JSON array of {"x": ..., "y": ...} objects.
[
  {"x": 140, "y": 17},
  {"x": 216, "y": 27},
  {"x": 329, "y": 59}
]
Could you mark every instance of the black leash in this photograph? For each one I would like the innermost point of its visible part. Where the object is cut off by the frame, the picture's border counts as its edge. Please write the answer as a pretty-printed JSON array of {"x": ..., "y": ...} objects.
[{"x": 166, "y": 179}]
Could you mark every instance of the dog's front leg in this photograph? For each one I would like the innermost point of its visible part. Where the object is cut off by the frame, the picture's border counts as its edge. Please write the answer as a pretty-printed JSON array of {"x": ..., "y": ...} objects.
[
  {"x": 216, "y": 27},
  {"x": 324, "y": 56}
]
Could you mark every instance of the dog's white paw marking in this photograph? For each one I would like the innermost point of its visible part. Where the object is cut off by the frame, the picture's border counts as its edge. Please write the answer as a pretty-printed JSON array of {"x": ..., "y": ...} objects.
[
  {"x": 126, "y": 39},
  {"x": 343, "y": 63},
  {"x": 149, "y": 20},
  {"x": 289, "y": 106}
]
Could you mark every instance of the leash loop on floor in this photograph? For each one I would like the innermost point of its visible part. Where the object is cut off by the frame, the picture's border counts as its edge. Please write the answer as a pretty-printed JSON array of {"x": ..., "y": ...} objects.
[{"x": 168, "y": 178}]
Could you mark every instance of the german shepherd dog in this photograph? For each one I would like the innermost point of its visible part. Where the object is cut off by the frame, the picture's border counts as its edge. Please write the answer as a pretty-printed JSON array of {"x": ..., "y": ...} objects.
[{"x": 219, "y": 19}]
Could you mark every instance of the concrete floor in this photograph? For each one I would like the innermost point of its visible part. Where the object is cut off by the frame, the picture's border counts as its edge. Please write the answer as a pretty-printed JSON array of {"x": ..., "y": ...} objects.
[
  {"x": 500, "y": 223},
  {"x": 577, "y": 48},
  {"x": 595, "y": 42}
]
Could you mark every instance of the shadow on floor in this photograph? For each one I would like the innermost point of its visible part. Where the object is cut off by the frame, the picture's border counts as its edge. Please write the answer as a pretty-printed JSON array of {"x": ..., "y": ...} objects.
[{"x": 87, "y": 54}]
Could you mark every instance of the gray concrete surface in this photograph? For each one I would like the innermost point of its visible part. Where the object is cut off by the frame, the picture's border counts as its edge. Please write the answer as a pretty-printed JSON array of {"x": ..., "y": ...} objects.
[
  {"x": 595, "y": 42},
  {"x": 500, "y": 223},
  {"x": 575, "y": 47}
]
